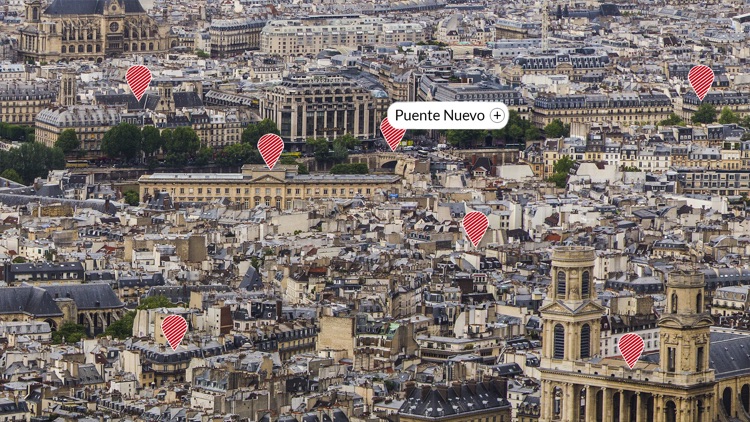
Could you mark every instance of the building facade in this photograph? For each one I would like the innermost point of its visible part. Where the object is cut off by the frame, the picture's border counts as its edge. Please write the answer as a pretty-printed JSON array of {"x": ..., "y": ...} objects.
[
  {"x": 90, "y": 30},
  {"x": 20, "y": 103},
  {"x": 233, "y": 37},
  {"x": 257, "y": 185},
  {"x": 685, "y": 380},
  {"x": 323, "y": 106},
  {"x": 310, "y": 36},
  {"x": 623, "y": 108}
]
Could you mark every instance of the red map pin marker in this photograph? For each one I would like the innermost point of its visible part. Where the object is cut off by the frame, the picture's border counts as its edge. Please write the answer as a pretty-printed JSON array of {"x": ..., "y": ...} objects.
[
  {"x": 631, "y": 348},
  {"x": 138, "y": 78},
  {"x": 475, "y": 225},
  {"x": 270, "y": 147},
  {"x": 392, "y": 135},
  {"x": 174, "y": 328},
  {"x": 701, "y": 77}
]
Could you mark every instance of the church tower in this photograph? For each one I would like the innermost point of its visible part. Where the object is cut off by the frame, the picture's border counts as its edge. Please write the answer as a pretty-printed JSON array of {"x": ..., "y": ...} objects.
[
  {"x": 571, "y": 317},
  {"x": 166, "y": 100},
  {"x": 684, "y": 327},
  {"x": 68, "y": 92},
  {"x": 33, "y": 11}
]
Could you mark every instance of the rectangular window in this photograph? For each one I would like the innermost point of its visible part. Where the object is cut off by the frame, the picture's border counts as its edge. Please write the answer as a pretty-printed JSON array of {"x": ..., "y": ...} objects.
[
  {"x": 257, "y": 191},
  {"x": 200, "y": 190},
  {"x": 699, "y": 360},
  {"x": 670, "y": 359},
  {"x": 208, "y": 191}
]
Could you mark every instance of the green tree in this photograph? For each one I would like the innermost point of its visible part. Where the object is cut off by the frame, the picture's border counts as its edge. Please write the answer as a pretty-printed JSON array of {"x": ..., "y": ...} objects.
[
  {"x": 204, "y": 156},
  {"x": 321, "y": 149},
  {"x": 183, "y": 140},
  {"x": 32, "y": 160},
  {"x": 672, "y": 120},
  {"x": 68, "y": 141},
  {"x": 18, "y": 260},
  {"x": 122, "y": 141},
  {"x": 131, "y": 197},
  {"x": 12, "y": 175},
  {"x": 254, "y": 131},
  {"x": 340, "y": 151},
  {"x": 302, "y": 169},
  {"x": 556, "y": 129},
  {"x": 238, "y": 154},
  {"x": 122, "y": 328},
  {"x": 563, "y": 165},
  {"x": 152, "y": 140},
  {"x": 354, "y": 168},
  {"x": 202, "y": 54},
  {"x": 706, "y": 113},
  {"x": 464, "y": 138},
  {"x": 349, "y": 141},
  {"x": 153, "y": 302},
  {"x": 70, "y": 331},
  {"x": 727, "y": 116},
  {"x": 560, "y": 171}
]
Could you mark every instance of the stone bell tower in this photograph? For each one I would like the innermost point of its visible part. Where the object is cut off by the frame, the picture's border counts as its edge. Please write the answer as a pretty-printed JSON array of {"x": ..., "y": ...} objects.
[
  {"x": 684, "y": 326},
  {"x": 570, "y": 314},
  {"x": 68, "y": 88}
]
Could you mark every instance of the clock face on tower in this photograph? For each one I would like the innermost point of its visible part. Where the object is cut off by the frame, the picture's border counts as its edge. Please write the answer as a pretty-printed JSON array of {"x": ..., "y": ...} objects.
[{"x": 113, "y": 27}]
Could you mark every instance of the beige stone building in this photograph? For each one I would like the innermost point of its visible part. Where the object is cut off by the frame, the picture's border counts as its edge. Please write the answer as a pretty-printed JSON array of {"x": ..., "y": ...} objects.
[
  {"x": 300, "y": 37},
  {"x": 90, "y": 30},
  {"x": 234, "y": 37},
  {"x": 621, "y": 108},
  {"x": 685, "y": 381},
  {"x": 256, "y": 185},
  {"x": 20, "y": 103},
  {"x": 323, "y": 106}
]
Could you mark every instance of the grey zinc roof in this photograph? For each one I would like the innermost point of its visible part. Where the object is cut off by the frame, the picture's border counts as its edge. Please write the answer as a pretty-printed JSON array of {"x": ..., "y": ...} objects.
[
  {"x": 729, "y": 354},
  {"x": 87, "y": 296},
  {"x": 27, "y": 299}
]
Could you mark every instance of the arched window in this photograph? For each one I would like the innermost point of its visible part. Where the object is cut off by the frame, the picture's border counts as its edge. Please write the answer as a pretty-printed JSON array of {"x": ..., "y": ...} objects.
[
  {"x": 135, "y": 47},
  {"x": 89, "y": 48},
  {"x": 63, "y": 49},
  {"x": 561, "y": 283},
  {"x": 699, "y": 304},
  {"x": 143, "y": 46},
  {"x": 674, "y": 303},
  {"x": 99, "y": 48},
  {"x": 80, "y": 48},
  {"x": 150, "y": 46},
  {"x": 585, "y": 281},
  {"x": 585, "y": 341},
  {"x": 559, "y": 352}
]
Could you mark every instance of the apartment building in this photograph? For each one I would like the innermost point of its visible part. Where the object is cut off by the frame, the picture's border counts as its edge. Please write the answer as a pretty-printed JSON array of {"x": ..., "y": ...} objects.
[
  {"x": 20, "y": 103},
  {"x": 310, "y": 36},
  {"x": 256, "y": 185},
  {"x": 234, "y": 37},
  {"x": 622, "y": 108}
]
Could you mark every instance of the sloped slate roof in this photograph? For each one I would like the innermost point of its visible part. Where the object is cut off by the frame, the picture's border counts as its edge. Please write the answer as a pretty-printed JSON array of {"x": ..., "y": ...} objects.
[
  {"x": 89, "y": 7},
  {"x": 27, "y": 299},
  {"x": 187, "y": 99},
  {"x": 86, "y": 296}
]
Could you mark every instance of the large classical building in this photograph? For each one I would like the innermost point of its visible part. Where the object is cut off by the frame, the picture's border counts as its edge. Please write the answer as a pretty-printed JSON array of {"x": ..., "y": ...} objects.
[
  {"x": 622, "y": 108},
  {"x": 90, "y": 30},
  {"x": 256, "y": 185},
  {"x": 234, "y": 37},
  {"x": 582, "y": 65},
  {"x": 323, "y": 106},
  {"x": 310, "y": 36},
  {"x": 20, "y": 103},
  {"x": 688, "y": 104},
  {"x": 696, "y": 376}
]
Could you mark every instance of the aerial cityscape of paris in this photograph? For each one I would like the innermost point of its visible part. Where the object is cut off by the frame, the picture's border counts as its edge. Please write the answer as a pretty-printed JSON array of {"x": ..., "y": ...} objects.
[{"x": 374, "y": 211}]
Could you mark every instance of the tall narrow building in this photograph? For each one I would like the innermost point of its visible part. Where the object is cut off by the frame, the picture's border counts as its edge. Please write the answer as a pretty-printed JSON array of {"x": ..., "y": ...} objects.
[{"x": 68, "y": 92}]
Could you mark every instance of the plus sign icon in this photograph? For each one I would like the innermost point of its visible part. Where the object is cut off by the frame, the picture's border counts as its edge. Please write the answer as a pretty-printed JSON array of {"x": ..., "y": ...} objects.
[{"x": 497, "y": 115}]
